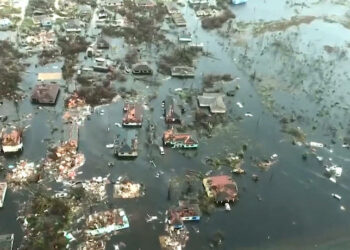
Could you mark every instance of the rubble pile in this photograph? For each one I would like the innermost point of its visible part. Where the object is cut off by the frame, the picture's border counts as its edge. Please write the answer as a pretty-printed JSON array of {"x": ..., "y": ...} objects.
[
  {"x": 24, "y": 172},
  {"x": 96, "y": 187},
  {"x": 106, "y": 222},
  {"x": 12, "y": 139},
  {"x": 66, "y": 160},
  {"x": 128, "y": 190},
  {"x": 78, "y": 110},
  {"x": 93, "y": 244},
  {"x": 175, "y": 239}
]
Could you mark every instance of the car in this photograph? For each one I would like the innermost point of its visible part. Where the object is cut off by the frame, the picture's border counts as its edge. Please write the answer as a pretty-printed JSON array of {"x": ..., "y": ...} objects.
[
  {"x": 161, "y": 149},
  {"x": 61, "y": 195}
]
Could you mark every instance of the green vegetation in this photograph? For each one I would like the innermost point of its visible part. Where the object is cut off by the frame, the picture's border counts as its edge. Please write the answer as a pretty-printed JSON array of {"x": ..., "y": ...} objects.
[
  {"x": 47, "y": 218},
  {"x": 297, "y": 133},
  {"x": 180, "y": 56},
  {"x": 141, "y": 28},
  {"x": 10, "y": 70},
  {"x": 209, "y": 80},
  {"x": 97, "y": 95},
  {"x": 45, "y": 6},
  {"x": 71, "y": 47},
  {"x": 216, "y": 22}
]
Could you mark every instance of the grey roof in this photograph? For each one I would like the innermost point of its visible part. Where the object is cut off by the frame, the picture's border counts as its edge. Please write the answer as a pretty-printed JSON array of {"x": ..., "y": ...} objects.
[{"x": 214, "y": 101}]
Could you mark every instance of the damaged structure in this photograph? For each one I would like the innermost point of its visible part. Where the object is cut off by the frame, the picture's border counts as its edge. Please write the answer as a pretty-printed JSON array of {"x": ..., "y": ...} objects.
[
  {"x": 142, "y": 69},
  {"x": 45, "y": 94},
  {"x": 179, "y": 140},
  {"x": 214, "y": 101},
  {"x": 65, "y": 160},
  {"x": 106, "y": 222},
  {"x": 12, "y": 141},
  {"x": 128, "y": 190},
  {"x": 185, "y": 212},
  {"x": 182, "y": 71},
  {"x": 221, "y": 188},
  {"x": 133, "y": 116},
  {"x": 127, "y": 147},
  {"x": 172, "y": 112}
]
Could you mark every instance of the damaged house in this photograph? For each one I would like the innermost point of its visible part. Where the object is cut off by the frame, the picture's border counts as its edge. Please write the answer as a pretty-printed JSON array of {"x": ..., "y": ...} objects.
[
  {"x": 127, "y": 147},
  {"x": 214, "y": 101},
  {"x": 172, "y": 112},
  {"x": 185, "y": 212},
  {"x": 142, "y": 69},
  {"x": 12, "y": 141},
  {"x": 133, "y": 116},
  {"x": 221, "y": 188},
  {"x": 179, "y": 140},
  {"x": 107, "y": 222},
  {"x": 182, "y": 71},
  {"x": 45, "y": 94},
  {"x": 73, "y": 25}
]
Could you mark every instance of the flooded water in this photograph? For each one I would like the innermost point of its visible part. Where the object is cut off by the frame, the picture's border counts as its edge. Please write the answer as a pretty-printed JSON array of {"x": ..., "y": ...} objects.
[{"x": 296, "y": 209}]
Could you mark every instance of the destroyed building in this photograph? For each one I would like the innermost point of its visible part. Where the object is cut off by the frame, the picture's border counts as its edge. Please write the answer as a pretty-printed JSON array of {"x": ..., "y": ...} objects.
[
  {"x": 178, "y": 19},
  {"x": 214, "y": 101},
  {"x": 172, "y": 112},
  {"x": 12, "y": 141},
  {"x": 106, "y": 222},
  {"x": 45, "y": 94},
  {"x": 221, "y": 188},
  {"x": 133, "y": 116},
  {"x": 179, "y": 140},
  {"x": 182, "y": 213},
  {"x": 3, "y": 189},
  {"x": 127, "y": 190},
  {"x": 142, "y": 69},
  {"x": 65, "y": 160},
  {"x": 182, "y": 71},
  {"x": 73, "y": 26}
]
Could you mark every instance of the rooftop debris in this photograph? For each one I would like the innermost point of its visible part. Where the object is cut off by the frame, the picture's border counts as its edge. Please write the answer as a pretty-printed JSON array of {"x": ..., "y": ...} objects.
[
  {"x": 127, "y": 190},
  {"x": 182, "y": 71},
  {"x": 179, "y": 140},
  {"x": 127, "y": 148},
  {"x": 106, "y": 222},
  {"x": 222, "y": 188},
  {"x": 185, "y": 212},
  {"x": 172, "y": 112},
  {"x": 133, "y": 115},
  {"x": 96, "y": 187},
  {"x": 12, "y": 142},
  {"x": 93, "y": 244},
  {"x": 45, "y": 93},
  {"x": 3, "y": 189},
  {"x": 77, "y": 109},
  {"x": 65, "y": 160},
  {"x": 24, "y": 172}
]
